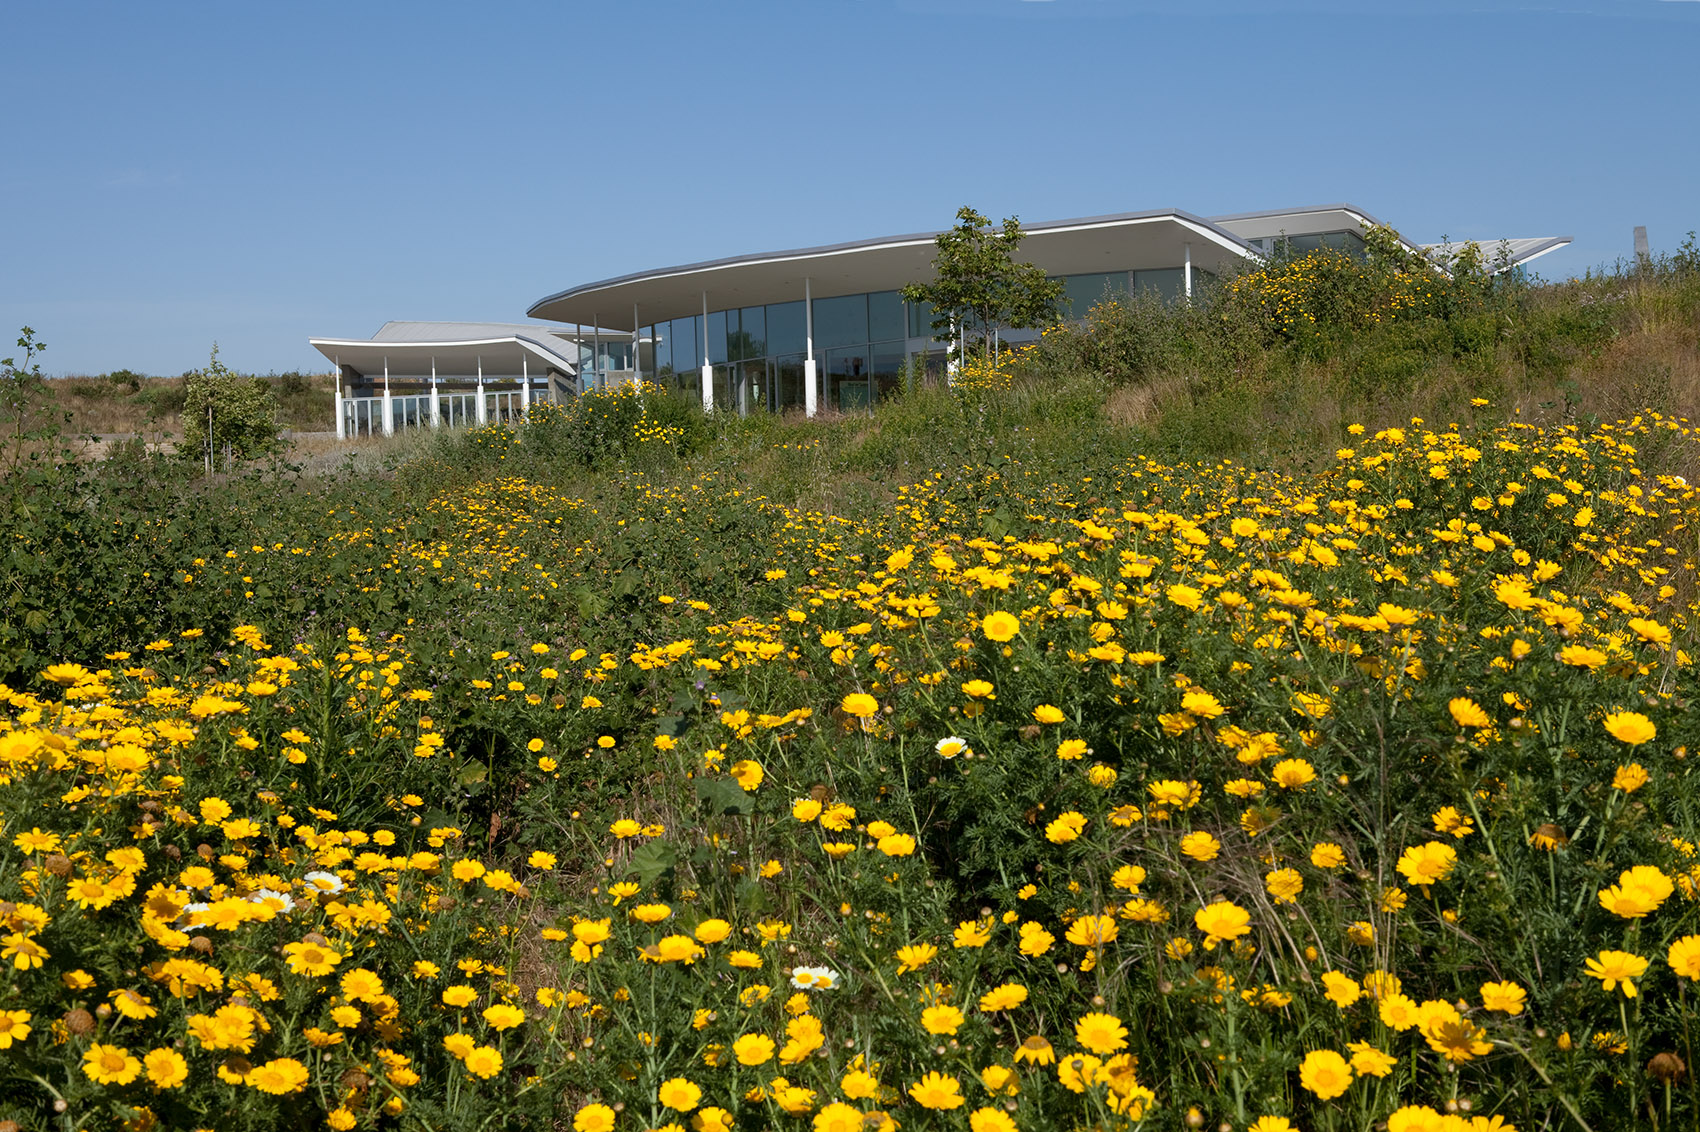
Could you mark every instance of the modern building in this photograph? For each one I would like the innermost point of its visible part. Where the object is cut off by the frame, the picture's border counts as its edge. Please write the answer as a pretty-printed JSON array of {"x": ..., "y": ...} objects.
[
  {"x": 826, "y": 328},
  {"x": 492, "y": 371}
]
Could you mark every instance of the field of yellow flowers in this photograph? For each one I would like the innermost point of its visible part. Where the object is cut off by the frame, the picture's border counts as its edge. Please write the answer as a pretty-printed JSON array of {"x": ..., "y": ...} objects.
[{"x": 1168, "y": 797}]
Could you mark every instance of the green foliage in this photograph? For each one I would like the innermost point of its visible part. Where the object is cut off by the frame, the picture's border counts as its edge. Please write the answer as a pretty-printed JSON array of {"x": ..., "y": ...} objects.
[
  {"x": 22, "y": 400},
  {"x": 226, "y": 417},
  {"x": 978, "y": 287}
]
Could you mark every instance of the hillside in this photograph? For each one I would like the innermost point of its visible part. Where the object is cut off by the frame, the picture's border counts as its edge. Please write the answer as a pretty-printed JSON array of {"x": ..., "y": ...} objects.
[{"x": 1269, "y": 714}]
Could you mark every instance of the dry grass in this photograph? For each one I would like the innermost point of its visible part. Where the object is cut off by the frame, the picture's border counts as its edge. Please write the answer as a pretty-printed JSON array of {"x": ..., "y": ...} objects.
[{"x": 151, "y": 407}]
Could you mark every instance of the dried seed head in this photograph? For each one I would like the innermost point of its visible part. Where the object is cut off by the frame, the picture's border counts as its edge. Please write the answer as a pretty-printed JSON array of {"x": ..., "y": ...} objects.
[
  {"x": 80, "y": 1022},
  {"x": 1667, "y": 1067}
]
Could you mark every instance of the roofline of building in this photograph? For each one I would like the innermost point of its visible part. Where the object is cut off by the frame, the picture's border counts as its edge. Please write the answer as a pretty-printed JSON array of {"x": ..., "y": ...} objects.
[
  {"x": 1268, "y": 212},
  {"x": 1199, "y": 224},
  {"x": 425, "y": 345}
]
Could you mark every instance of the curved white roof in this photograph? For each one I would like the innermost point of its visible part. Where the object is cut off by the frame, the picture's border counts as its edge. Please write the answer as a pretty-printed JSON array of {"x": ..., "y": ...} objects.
[{"x": 1061, "y": 247}]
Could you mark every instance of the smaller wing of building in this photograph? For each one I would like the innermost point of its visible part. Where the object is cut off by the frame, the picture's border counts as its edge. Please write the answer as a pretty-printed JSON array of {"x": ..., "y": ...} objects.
[{"x": 456, "y": 352}]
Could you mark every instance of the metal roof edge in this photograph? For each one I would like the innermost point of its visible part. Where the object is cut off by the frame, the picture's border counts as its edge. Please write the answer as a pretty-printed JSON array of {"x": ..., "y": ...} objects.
[{"x": 907, "y": 240}]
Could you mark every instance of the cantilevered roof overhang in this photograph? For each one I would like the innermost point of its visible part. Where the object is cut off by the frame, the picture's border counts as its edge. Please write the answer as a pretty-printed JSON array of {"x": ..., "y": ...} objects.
[
  {"x": 1499, "y": 255},
  {"x": 1297, "y": 221},
  {"x": 1133, "y": 240},
  {"x": 419, "y": 355}
]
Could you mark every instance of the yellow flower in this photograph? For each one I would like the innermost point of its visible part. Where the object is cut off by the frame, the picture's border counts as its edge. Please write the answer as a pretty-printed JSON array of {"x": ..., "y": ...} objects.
[
  {"x": 1200, "y": 846},
  {"x": 941, "y": 1019},
  {"x": 1293, "y": 774},
  {"x": 1325, "y": 1073},
  {"x": 1327, "y": 855},
  {"x": 859, "y": 704},
  {"x": 1035, "y": 1050},
  {"x": 1505, "y": 997},
  {"x": 1427, "y": 864},
  {"x": 1615, "y": 967},
  {"x": 594, "y": 1118},
  {"x": 1000, "y": 626},
  {"x": 1630, "y": 727},
  {"x": 1684, "y": 956},
  {"x": 748, "y": 773},
  {"x": 1341, "y": 989},
  {"x": 484, "y": 1061},
  {"x": 937, "y": 1091},
  {"x": 1398, "y": 1011},
  {"x": 972, "y": 933},
  {"x": 678, "y": 1094},
  {"x": 503, "y": 1016},
  {"x": 1047, "y": 713},
  {"x": 14, "y": 1027},
  {"x": 311, "y": 959},
  {"x": 1222, "y": 922},
  {"x": 978, "y": 690},
  {"x": 1008, "y": 996},
  {"x": 915, "y": 956},
  {"x": 1629, "y": 778},
  {"x": 753, "y": 1049},
  {"x": 1100, "y": 1033},
  {"x": 1065, "y": 828},
  {"x": 1367, "y": 1061},
  {"x": 1284, "y": 885},
  {"x": 1467, "y": 713},
  {"x": 279, "y": 1077},
  {"x": 110, "y": 1065}
]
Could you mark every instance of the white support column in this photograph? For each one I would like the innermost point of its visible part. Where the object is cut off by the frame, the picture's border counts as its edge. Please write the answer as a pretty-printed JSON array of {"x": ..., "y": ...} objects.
[
  {"x": 436, "y": 402},
  {"x": 707, "y": 369},
  {"x": 811, "y": 381},
  {"x": 637, "y": 369},
  {"x": 1187, "y": 275},
  {"x": 389, "y": 405},
  {"x": 483, "y": 413},
  {"x": 341, "y": 425},
  {"x": 596, "y": 352},
  {"x": 525, "y": 385},
  {"x": 951, "y": 363}
]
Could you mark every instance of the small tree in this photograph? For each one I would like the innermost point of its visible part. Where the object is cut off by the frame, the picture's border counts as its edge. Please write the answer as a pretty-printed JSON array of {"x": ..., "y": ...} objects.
[
  {"x": 224, "y": 412},
  {"x": 23, "y": 392},
  {"x": 979, "y": 288}
]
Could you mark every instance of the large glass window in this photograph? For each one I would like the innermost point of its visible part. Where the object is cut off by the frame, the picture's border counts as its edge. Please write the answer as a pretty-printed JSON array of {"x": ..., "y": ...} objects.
[
  {"x": 663, "y": 335},
  {"x": 1083, "y": 292},
  {"x": 687, "y": 344},
  {"x": 841, "y": 321},
  {"x": 1166, "y": 282},
  {"x": 788, "y": 381},
  {"x": 885, "y": 366},
  {"x": 751, "y": 337},
  {"x": 786, "y": 332},
  {"x": 885, "y": 316},
  {"x": 920, "y": 320},
  {"x": 846, "y": 377},
  {"x": 717, "y": 337}
]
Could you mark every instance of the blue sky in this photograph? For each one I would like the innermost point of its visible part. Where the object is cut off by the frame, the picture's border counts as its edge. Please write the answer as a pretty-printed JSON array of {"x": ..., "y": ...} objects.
[{"x": 258, "y": 173}]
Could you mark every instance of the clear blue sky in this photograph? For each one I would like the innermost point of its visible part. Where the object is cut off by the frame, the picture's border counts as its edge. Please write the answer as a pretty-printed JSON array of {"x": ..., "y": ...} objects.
[{"x": 259, "y": 173}]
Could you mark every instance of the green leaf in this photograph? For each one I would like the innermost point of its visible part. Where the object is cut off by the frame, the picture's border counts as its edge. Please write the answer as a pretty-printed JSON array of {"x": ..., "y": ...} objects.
[
  {"x": 724, "y": 796},
  {"x": 654, "y": 860}
]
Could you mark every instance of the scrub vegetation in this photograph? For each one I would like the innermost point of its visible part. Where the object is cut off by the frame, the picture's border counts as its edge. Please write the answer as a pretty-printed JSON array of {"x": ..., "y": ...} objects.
[{"x": 1268, "y": 714}]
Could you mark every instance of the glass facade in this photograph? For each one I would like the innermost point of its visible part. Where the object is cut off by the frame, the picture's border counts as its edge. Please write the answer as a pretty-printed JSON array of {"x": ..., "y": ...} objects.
[
  {"x": 1350, "y": 242},
  {"x": 862, "y": 343}
]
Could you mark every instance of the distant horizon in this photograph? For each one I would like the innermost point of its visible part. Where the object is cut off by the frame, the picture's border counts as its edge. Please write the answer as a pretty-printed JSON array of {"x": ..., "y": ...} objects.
[{"x": 256, "y": 176}]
